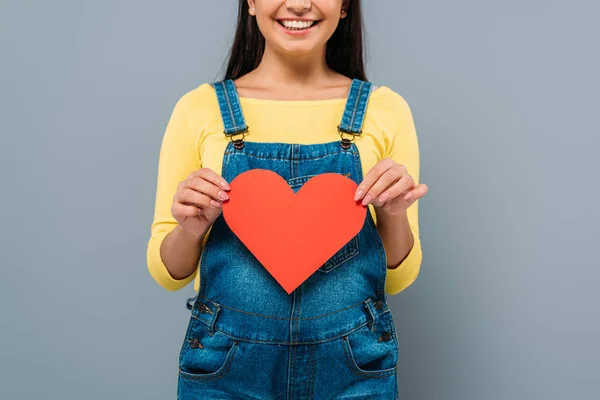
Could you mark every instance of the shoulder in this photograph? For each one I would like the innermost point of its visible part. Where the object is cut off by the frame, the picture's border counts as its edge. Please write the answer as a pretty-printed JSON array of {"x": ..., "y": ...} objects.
[
  {"x": 388, "y": 108},
  {"x": 386, "y": 99},
  {"x": 198, "y": 108},
  {"x": 198, "y": 98}
]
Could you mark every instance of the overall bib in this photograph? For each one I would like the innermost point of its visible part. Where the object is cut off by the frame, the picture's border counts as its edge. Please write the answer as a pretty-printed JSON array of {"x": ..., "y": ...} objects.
[{"x": 333, "y": 337}]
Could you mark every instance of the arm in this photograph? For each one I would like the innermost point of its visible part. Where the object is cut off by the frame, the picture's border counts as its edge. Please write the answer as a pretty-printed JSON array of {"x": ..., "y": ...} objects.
[
  {"x": 172, "y": 254},
  {"x": 397, "y": 236},
  {"x": 400, "y": 233},
  {"x": 180, "y": 253}
]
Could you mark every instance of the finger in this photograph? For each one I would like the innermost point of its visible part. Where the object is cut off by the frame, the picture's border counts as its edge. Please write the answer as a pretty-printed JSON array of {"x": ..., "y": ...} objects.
[
  {"x": 389, "y": 178},
  {"x": 211, "y": 176},
  {"x": 404, "y": 185},
  {"x": 185, "y": 210},
  {"x": 189, "y": 196},
  {"x": 371, "y": 177},
  {"x": 208, "y": 188},
  {"x": 420, "y": 191}
]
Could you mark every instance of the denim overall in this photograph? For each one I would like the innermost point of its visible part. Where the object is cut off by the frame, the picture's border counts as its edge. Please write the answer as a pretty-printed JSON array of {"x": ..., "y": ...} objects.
[{"x": 333, "y": 337}]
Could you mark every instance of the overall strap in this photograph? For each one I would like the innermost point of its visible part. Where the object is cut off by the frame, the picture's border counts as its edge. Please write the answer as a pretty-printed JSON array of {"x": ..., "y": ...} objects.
[
  {"x": 231, "y": 111},
  {"x": 354, "y": 112}
]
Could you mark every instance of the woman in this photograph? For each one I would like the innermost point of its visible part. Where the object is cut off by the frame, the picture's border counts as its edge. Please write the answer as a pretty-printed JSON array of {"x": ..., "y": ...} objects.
[{"x": 294, "y": 100}]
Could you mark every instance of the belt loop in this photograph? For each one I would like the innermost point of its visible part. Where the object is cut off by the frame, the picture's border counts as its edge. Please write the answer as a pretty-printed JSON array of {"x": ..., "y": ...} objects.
[
  {"x": 376, "y": 308},
  {"x": 369, "y": 306},
  {"x": 190, "y": 302}
]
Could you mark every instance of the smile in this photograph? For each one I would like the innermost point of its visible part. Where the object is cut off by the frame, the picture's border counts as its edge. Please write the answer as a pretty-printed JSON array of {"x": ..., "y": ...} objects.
[{"x": 296, "y": 25}]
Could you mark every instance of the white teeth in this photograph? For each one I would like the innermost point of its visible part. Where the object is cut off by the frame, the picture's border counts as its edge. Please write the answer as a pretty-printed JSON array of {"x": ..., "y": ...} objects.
[{"x": 297, "y": 24}]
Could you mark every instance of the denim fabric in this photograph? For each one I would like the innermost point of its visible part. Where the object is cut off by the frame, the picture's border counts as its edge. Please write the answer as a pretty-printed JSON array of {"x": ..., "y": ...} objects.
[{"x": 333, "y": 337}]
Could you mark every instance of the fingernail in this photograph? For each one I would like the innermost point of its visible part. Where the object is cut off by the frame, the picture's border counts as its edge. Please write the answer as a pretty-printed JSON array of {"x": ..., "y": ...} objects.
[
  {"x": 215, "y": 203},
  {"x": 225, "y": 185},
  {"x": 358, "y": 194},
  {"x": 384, "y": 197},
  {"x": 366, "y": 200},
  {"x": 408, "y": 196},
  {"x": 222, "y": 195}
]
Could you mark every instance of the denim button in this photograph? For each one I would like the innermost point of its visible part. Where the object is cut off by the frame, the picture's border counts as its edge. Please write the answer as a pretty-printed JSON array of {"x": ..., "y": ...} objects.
[
  {"x": 203, "y": 308},
  {"x": 385, "y": 336},
  {"x": 378, "y": 304},
  {"x": 194, "y": 343}
]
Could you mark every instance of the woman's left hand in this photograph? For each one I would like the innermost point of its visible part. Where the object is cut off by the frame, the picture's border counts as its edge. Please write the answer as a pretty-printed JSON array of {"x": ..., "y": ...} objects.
[{"x": 389, "y": 187}]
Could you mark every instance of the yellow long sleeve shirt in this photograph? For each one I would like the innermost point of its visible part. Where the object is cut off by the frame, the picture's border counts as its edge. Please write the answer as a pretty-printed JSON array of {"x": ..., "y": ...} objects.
[{"x": 194, "y": 139}]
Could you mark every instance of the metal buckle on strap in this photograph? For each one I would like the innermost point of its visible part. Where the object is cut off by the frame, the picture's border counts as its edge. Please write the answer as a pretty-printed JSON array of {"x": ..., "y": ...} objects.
[
  {"x": 345, "y": 142},
  {"x": 239, "y": 142}
]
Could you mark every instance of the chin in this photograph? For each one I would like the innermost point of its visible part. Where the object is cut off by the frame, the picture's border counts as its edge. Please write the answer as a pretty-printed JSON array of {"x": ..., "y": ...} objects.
[{"x": 297, "y": 49}]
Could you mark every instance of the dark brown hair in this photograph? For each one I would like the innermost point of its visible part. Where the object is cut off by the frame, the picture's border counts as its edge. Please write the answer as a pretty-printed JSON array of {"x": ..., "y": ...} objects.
[{"x": 344, "y": 53}]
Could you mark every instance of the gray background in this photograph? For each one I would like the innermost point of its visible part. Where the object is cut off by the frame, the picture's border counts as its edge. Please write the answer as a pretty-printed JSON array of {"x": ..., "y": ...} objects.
[{"x": 505, "y": 100}]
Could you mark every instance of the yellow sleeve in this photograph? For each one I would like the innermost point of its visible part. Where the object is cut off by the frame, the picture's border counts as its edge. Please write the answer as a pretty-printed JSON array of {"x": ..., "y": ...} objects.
[
  {"x": 403, "y": 147},
  {"x": 177, "y": 159}
]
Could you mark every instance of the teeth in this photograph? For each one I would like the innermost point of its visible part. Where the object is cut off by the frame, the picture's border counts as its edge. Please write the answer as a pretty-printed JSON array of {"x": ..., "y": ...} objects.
[{"x": 297, "y": 24}]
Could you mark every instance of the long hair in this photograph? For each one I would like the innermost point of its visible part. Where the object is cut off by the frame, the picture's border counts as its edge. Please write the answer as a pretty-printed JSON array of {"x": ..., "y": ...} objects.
[{"x": 344, "y": 52}]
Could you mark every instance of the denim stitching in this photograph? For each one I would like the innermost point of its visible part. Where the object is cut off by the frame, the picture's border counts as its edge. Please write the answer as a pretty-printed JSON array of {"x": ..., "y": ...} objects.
[
  {"x": 313, "y": 361},
  {"x": 238, "y": 106},
  {"x": 234, "y": 153},
  {"x": 347, "y": 109},
  {"x": 217, "y": 374},
  {"x": 292, "y": 173},
  {"x": 286, "y": 319},
  {"x": 354, "y": 367},
  {"x": 301, "y": 180},
  {"x": 233, "y": 121},
  {"x": 221, "y": 97},
  {"x": 350, "y": 250},
  {"x": 327, "y": 339},
  {"x": 357, "y": 102}
]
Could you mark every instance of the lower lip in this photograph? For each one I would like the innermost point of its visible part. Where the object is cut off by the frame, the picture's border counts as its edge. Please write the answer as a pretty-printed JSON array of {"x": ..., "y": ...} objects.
[{"x": 299, "y": 32}]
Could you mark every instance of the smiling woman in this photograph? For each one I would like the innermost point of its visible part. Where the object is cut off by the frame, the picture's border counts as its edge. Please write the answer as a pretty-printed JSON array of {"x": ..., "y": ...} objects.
[
  {"x": 295, "y": 101},
  {"x": 338, "y": 33}
]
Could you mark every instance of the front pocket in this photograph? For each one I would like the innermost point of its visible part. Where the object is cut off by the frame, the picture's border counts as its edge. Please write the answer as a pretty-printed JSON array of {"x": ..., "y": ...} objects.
[
  {"x": 368, "y": 355},
  {"x": 206, "y": 356},
  {"x": 349, "y": 250},
  {"x": 297, "y": 182}
]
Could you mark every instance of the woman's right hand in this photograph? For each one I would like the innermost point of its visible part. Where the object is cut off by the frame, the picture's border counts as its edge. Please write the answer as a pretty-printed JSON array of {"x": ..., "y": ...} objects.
[{"x": 197, "y": 202}]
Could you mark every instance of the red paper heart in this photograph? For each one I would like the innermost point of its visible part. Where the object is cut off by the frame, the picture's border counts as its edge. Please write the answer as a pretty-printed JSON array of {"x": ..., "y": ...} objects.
[{"x": 293, "y": 234}]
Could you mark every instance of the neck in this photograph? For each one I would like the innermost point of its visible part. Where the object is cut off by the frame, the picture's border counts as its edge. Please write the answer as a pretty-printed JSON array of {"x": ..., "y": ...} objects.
[{"x": 295, "y": 72}]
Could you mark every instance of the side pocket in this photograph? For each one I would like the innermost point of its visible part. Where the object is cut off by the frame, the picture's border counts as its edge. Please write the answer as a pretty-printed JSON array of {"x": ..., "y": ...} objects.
[
  {"x": 371, "y": 354},
  {"x": 205, "y": 355}
]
